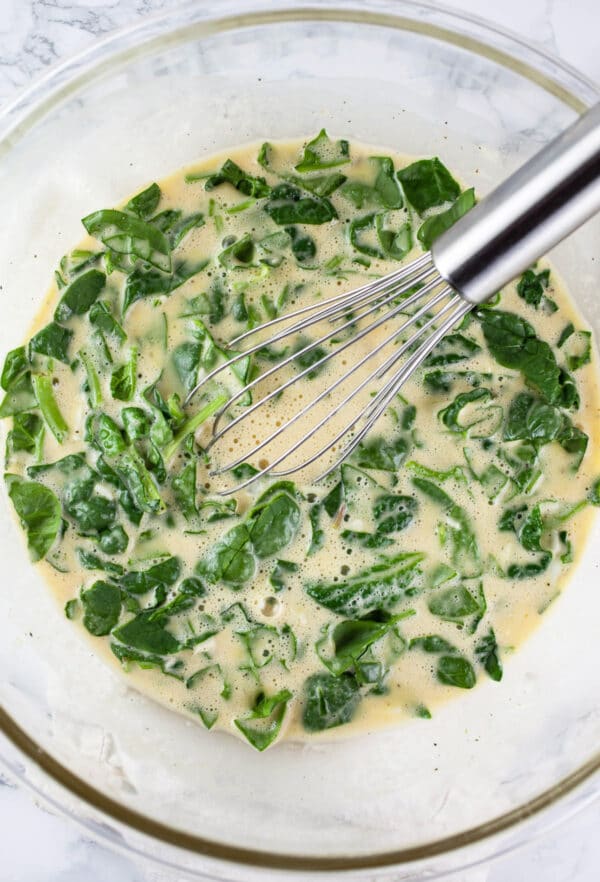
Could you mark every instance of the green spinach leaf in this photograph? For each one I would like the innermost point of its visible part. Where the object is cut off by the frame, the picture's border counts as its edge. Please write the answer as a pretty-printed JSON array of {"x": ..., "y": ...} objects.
[
  {"x": 329, "y": 701},
  {"x": 380, "y": 586},
  {"x": 80, "y": 295},
  {"x": 428, "y": 183},
  {"x": 130, "y": 236},
  {"x": 39, "y": 511},
  {"x": 322, "y": 153},
  {"x": 102, "y": 608}
]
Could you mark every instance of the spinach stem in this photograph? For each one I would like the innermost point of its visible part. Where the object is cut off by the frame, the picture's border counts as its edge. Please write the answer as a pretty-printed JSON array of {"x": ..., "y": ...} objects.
[
  {"x": 192, "y": 424},
  {"x": 42, "y": 389}
]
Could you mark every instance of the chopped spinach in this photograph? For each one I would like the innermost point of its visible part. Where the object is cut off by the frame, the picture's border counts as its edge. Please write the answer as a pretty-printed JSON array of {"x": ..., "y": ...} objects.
[
  {"x": 322, "y": 153},
  {"x": 131, "y": 236},
  {"x": 437, "y": 224},
  {"x": 531, "y": 286},
  {"x": 329, "y": 701},
  {"x": 427, "y": 183},
  {"x": 514, "y": 344},
  {"x": 101, "y": 608},
  {"x": 39, "y": 511},
  {"x": 380, "y": 586},
  {"x": 52, "y": 341},
  {"x": 288, "y": 205}
]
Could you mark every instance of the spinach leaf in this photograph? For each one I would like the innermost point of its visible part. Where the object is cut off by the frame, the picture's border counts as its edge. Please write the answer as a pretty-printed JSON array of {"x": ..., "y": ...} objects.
[
  {"x": 352, "y": 638},
  {"x": 114, "y": 541},
  {"x": 528, "y": 528},
  {"x": 147, "y": 631},
  {"x": 366, "y": 540},
  {"x": 514, "y": 344},
  {"x": 486, "y": 653},
  {"x": 456, "y": 603},
  {"x": 27, "y": 434},
  {"x": 486, "y": 420},
  {"x": 576, "y": 346},
  {"x": 381, "y": 453},
  {"x": 19, "y": 396},
  {"x": 273, "y": 524},
  {"x": 102, "y": 608},
  {"x": 329, "y": 701},
  {"x": 385, "y": 187},
  {"x": 303, "y": 246},
  {"x": 80, "y": 295},
  {"x": 103, "y": 320},
  {"x": 108, "y": 437},
  {"x": 457, "y": 529},
  {"x": 427, "y": 183},
  {"x": 262, "y": 724},
  {"x": 531, "y": 286},
  {"x": 39, "y": 511},
  {"x": 142, "y": 282},
  {"x": 136, "y": 423},
  {"x": 289, "y": 205},
  {"x": 145, "y": 203},
  {"x": 230, "y": 559},
  {"x": 184, "y": 490},
  {"x": 163, "y": 574},
  {"x": 421, "y": 471},
  {"x": 432, "y": 643},
  {"x": 52, "y": 341},
  {"x": 452, "y": 348},
  {"x": 131, "y": 236},
  {"x": 138, "y": 482},
  {"x": 92, "y": 515},
  {"x": 126, "y": 654},
  {"x": 92, "y": 381},
  {"x": 76, "y": 478},
  {"x": 530, "y": 419},
  {"x": 15, "y": 365},
  {"x": 322, "y": 153},
  {"x": 443, "y": 381},
  {"x": 319, "y": 185},
  {"x": 239, "y": 253},
  {"x": 247, "y": 184},
  {"x": 454, "y": 670},
  {"x": 184, "y": 226},
  {"x": 123, "y": 380},
  {"x": 437, "y": 224},
  {"x": 369, "y": 235},
  {"x": 393, "y": 513},
  {"x": 192, "y": 423},
  {"x": 282, "y": 569},
  {"x": 186, "y": 361},
  {"x": 42, "y": 389},
  {"x": 317, "y": 536},
  {"x": 379, "y": 586}
]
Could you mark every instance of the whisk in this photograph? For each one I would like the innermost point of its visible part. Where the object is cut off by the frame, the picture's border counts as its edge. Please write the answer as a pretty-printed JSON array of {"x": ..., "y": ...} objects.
[{"x": 539, "y": 205}]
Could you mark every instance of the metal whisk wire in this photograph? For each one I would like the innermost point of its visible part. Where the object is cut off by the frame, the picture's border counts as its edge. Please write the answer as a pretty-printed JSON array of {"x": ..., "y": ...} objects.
[
  {"x": 395, "y": 294},
  {"x": 545, "y": 200}
]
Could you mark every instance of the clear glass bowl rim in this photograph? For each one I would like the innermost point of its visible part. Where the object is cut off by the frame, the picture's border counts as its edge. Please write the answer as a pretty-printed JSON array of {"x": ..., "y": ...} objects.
[{"x": 193, "y": 19}]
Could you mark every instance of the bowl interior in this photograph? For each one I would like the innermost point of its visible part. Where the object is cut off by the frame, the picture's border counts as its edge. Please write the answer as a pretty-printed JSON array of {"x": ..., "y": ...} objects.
[{"x": 144, "y": 113}]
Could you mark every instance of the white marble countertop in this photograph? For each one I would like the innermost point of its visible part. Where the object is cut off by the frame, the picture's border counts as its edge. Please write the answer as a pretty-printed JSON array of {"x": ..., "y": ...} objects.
[{"x": 36, "y": 846}]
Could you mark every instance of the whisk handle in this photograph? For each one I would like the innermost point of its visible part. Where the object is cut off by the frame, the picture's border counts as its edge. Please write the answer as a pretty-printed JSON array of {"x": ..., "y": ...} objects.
[{"x": 534, "y": 209}]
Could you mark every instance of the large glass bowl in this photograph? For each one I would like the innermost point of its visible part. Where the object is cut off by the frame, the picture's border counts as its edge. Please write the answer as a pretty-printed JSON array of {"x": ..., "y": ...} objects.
[{"x": 414, "y": 801}]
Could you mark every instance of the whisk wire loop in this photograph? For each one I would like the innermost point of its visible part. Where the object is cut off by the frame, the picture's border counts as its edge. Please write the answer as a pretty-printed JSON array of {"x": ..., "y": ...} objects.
[{"x": 438, "y": 298}]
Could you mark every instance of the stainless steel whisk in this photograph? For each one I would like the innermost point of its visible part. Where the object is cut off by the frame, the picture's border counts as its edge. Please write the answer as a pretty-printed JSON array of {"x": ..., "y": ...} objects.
[{"x": 539, "y": 205}]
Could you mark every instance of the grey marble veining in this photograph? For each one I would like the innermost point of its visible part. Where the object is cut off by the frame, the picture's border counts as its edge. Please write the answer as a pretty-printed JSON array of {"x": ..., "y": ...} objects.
[{"x": 37, "y": 846}]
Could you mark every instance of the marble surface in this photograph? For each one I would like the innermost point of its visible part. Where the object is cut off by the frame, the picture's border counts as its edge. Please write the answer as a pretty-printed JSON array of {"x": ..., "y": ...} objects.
[{"x": 36, "y": 846}]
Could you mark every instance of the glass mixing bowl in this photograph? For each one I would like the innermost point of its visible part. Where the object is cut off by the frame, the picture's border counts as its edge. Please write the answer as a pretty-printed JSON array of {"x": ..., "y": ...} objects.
[{"x": 414, "y": 801}]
